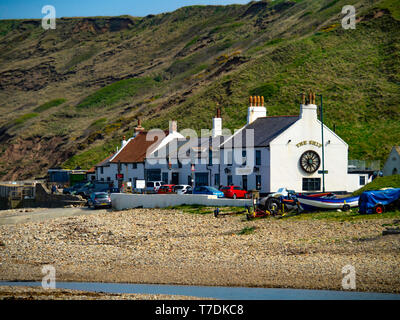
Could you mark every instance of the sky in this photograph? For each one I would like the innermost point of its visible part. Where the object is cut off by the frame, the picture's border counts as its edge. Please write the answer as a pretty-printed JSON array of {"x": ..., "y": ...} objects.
[{"x": 32, "y": 9}]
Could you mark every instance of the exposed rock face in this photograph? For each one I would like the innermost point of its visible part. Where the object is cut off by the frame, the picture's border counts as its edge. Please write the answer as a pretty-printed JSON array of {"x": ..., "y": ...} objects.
[
  {"x": 29, "y": 157},
  {"x": 180, "y": 60}
]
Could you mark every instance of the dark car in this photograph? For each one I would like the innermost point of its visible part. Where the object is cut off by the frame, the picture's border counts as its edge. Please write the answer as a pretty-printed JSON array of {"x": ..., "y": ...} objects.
[
  {"x": 92, "y": 187},
  {"x": 99, "y": 200},
  {"x": 73, "y": 188}
]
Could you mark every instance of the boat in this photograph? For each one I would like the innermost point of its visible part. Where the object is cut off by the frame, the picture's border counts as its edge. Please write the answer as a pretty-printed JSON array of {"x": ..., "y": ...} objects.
[{"x": 313, "y": 203}]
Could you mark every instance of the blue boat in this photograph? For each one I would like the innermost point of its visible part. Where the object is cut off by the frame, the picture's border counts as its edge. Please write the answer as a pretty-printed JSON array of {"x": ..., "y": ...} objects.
[{"x": 314, "y": 203}]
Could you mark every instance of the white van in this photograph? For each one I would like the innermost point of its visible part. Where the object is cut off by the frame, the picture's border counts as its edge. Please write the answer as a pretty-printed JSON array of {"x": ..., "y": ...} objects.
[{"x": 153, "y": 186}]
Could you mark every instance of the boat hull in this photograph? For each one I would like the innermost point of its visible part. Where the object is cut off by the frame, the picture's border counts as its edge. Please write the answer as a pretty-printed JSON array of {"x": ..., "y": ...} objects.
[{"x": 312, "y": 203}]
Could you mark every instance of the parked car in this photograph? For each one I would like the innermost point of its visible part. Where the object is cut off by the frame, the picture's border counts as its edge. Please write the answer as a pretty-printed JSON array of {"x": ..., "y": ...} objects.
[
  {"x": 73, "y": 188},
  {"x": 166, "y": 189},
  {"x": 99, "y": 200},
  {"x": 111, "y": 190},
  {"x": 183, "y": 189},
  {"x": 211, "y": 191},
  {"x": 92, "y": 187},
  {"x": 234, "y": 192},
  {"x": 153, "y": 186}
]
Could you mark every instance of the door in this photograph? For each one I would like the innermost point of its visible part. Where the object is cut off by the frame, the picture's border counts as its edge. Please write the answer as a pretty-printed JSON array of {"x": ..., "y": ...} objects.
[
  {"x": 175, "y": 178},
  {"x": 201, "y": 179},
  {"x": 244, "y": 180}
]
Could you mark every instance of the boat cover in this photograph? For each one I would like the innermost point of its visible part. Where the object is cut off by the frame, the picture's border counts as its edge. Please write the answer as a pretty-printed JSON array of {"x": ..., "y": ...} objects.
[{"x": 370, "y": 199}]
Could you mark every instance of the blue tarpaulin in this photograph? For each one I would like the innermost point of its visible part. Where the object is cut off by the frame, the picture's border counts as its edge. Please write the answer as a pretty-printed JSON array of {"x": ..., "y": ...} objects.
[{"x": 370, "y": 199}]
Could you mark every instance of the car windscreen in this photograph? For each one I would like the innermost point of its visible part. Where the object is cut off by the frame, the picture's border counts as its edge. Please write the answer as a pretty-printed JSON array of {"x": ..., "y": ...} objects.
[
  {"x": 178, "y": 188},
  {"x": 150, "y": 184},
  {"x": 102, "y": 196}
]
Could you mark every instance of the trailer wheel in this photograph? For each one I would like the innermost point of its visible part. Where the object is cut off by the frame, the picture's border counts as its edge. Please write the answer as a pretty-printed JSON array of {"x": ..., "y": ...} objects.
[
  {"x": 273, "y": 205},
  {"x": 346, "y": 208},
  {"x": 379, "y": 209}
]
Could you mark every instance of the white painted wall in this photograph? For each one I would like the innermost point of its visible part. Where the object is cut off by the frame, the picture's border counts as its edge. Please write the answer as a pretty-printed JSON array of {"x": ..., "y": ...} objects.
[
  {"x": 286, "y": 153},
  {"x": 353, "y": 181},
  {"x": 149, "y": 201}
]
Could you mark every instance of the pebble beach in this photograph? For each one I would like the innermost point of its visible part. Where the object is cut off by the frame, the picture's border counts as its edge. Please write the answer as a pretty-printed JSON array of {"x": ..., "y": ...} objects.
[{"x": 172, "y": 247}]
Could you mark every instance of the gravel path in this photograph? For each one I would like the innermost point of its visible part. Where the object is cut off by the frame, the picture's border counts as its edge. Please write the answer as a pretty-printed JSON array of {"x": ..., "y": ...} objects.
[{"x": 169, "y": 247}]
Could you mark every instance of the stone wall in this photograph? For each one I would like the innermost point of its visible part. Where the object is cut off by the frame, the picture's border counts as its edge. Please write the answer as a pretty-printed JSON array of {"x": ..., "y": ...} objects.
[{"x": 45, "y": 199}]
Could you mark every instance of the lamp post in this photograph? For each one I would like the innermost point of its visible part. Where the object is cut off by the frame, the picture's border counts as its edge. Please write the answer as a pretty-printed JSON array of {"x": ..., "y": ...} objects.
[{"x": 323, "y": 141}]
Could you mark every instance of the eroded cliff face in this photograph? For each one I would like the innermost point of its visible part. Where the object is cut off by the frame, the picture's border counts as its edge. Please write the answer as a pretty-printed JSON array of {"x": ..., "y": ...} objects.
[
  {"x": 31, "y": 157},
  {"x": 74, "y": 92}
]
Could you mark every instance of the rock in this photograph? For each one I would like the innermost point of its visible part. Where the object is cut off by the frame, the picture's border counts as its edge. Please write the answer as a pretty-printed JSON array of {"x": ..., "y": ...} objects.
[{"x": 391, "y": 231}]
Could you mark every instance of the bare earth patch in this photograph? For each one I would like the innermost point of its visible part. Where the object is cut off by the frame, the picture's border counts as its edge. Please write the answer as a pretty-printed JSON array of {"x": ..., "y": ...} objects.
[{"x": 170, "y": 247}]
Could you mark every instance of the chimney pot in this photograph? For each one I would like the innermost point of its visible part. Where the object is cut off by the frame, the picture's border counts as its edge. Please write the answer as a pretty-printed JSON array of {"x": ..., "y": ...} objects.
[{"x": 251, "y": 101}]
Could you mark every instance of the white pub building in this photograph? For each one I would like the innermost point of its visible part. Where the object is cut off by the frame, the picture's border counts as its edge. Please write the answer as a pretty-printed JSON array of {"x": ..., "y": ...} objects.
[
  {"x": 268, "y": 153},
  {"x": 286, "y": 152}
]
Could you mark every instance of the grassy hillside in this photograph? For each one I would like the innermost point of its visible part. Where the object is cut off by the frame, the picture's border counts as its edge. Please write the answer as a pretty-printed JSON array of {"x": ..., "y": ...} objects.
[
  {"x": 78, "y": 89},
  {"x": 380, "y": 183}
]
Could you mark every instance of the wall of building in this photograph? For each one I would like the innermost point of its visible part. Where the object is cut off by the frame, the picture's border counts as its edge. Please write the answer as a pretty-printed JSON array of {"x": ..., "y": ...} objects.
[
  {"x": 392, "y": 165},
  {"x": 353, "y": 181},
  {"x": 251, "y": 173},
  {"x": 305, "y": 135}
]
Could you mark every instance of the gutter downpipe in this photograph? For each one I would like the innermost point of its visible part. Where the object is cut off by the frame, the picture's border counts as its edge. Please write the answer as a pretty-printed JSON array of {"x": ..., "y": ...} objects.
[{"x": 323, "y": 142}]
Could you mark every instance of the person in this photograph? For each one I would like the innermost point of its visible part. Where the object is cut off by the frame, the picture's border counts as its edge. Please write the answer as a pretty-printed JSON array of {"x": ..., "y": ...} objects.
[{"x": 53, "y": 189}]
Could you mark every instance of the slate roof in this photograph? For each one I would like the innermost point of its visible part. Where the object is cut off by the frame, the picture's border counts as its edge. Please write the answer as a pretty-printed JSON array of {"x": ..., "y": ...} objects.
[
  {"x": 104, "y": 162},
  {"x": 265, "y": 130}
]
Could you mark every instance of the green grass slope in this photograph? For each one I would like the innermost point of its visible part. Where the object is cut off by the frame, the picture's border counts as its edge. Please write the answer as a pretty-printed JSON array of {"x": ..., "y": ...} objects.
[
  {"x": 380, "y": 183},
  {"x": 80, "y": 87}
]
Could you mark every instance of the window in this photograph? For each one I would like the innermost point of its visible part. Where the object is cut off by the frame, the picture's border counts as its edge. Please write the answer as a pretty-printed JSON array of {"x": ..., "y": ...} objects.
[
  {"x": 108, "y": 179},
  {"x": 395, "y": 171},
  {"x": 229, "y": 158},
  {"x": 210, "y": 157},
  {"x": 134, "y": 166},
  {"x": 258, "y": 157},
  {"x": 217, "y": 179},
  {"x": 312, "y": 184},
  {"x": 230, "y": 180},
  {"x": 362, "y": 181},
  {"x": 258, "y": 182},
  {"x": 244, "y": 156},
  {"x": 102, "y": 179},
  {"x": 101, "y": 170}
]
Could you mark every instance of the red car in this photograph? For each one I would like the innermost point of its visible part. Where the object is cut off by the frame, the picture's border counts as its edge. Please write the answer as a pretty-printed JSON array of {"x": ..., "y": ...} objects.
[
  {"x": 234, "y": 192},
  {"x": 167, "y": 188}
]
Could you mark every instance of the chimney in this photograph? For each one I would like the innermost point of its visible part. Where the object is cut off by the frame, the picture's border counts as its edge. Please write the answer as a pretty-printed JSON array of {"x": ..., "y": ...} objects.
[
  {"x": 256, "y": 109},
  {"x": 173, "y": 127},
  {"x": 139, "y": 127},
  {"x": 217, "y": 125},
  {"x": 308, "y": 110},
  {"x": 124, "y": 142}
]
